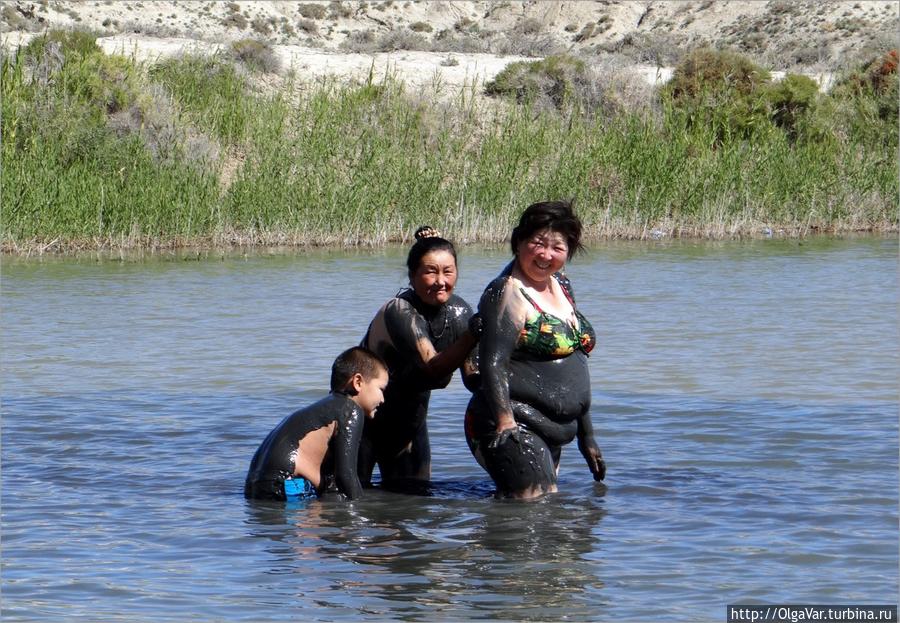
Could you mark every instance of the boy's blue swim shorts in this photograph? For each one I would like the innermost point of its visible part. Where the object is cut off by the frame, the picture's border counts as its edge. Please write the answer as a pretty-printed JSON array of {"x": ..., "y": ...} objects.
[{"x": 298, "y": 489}]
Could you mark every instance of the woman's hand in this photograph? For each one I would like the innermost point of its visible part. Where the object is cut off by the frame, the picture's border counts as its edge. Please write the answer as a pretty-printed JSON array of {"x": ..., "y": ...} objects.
[
  {"x": 591, "y": 453},
  {"x": 506, "y": 429}
]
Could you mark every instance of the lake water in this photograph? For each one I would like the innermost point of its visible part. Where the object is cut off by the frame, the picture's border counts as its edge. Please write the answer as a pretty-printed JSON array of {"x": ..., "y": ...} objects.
[{"x": 745, "y": 396}]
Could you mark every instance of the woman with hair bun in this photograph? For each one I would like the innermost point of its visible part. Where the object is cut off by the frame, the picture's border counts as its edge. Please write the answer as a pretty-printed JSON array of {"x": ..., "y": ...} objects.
[
  {"x": 535, "y": 392},
  {"x": 422, "y": 334}
]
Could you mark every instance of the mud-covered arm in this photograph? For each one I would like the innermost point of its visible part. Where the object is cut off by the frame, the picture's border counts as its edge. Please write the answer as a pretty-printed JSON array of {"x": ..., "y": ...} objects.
[
  {"x": 444, "y": 363},
  {"x": 554, "y": 433},
  {"x": 470, "y": 322},
  {"x": 471, "y": 375},
  {"x": 346, "y": 450},
  {"x": 588, "y": 446},
  {"x": 501, "y": 320},
  {"x": 426, "y": 367}
]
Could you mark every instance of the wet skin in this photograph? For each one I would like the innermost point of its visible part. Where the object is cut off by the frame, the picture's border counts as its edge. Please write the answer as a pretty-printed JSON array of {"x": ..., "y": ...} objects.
[
  {"x": 527, "y": 407},
  {"x": 422, "y": 336},
  {"x": 276, "y": 458}
]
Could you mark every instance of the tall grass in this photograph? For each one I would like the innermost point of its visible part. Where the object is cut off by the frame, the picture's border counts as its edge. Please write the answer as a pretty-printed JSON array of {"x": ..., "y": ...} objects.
[{"x": 367, "y": 163}]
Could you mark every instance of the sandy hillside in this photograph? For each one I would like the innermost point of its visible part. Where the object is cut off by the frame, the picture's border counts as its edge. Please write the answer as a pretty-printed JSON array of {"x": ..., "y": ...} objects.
[{"x": 451, "y": 43}]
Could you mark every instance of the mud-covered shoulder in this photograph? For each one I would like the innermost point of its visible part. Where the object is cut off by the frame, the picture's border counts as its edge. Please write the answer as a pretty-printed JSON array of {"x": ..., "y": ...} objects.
[
  {"x": 502, "y": 303},
  {"x": 404, "y": 325},
  {"x": 458, "y": 307},
  {"x": 458, "y": 314},
  {"x": 494, "y": 291}
]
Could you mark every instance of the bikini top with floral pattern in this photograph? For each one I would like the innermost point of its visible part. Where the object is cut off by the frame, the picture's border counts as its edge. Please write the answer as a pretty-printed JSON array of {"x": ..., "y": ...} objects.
[{"x": 547, "y": 336}]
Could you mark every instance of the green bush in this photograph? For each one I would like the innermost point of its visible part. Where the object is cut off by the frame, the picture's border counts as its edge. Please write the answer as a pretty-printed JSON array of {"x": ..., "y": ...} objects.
[
  {"x": 876, "y": 80},
  {"x": 71, "y": 62},
  {"x": 707, "y": 73},
  {"x": 790, "y": 100},
  {"x": 211, "y": 91},
  {"x": 865, "y": 101},
  {"x": 721, "y": 89},
  {"x": 74, "y": 44},
  {"x": 67, "y": 173},
  {"x": 555, "y": 78}
]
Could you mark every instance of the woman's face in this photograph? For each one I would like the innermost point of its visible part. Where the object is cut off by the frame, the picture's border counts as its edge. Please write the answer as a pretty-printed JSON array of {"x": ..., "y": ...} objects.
[
  {"x": 542, "y": 254},
  {"x": 435, "y": 278}
]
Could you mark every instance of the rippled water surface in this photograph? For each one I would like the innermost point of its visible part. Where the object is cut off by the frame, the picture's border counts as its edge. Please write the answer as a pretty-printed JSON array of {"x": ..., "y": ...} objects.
[{"x": 744, "y": 394}]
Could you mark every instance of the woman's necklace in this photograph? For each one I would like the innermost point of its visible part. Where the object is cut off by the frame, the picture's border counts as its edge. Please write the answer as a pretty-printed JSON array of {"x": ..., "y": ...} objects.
[
  {"x": 438, "y": 336},
  {"x": 444, "y": 320}
]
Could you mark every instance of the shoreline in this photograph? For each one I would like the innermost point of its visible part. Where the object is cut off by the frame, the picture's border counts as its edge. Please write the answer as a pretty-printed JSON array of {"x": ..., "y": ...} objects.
[{"x": 286, "y": 243}]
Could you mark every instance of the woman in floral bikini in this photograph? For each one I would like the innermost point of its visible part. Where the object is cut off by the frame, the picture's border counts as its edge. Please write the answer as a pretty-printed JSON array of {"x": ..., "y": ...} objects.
[{"x": 535, "y": 392}]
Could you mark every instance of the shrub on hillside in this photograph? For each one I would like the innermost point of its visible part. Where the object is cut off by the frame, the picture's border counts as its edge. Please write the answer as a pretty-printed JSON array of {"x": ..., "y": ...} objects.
[
  {"x": 529, "y": 26},
  {"x": 421, "y": 27},
  {"x": 448, "y": 40},
  {"x": 554, "y": 78},
  {"x": 658, "y": 49},
  {"x": 877, "y": 79},
  {"x": 567, "y": 84},
  {"x": 256, "y": 55},
  {"x": 211, "y": 90},
  {"x": 707, "y": 73},
  {"x": 235, "y": 20},
  {"x": 365, "y": 42},
  {"x": 311, "y": 11},
  {"x": 790, "y": 100},
  {"x": 866, "y": 101},
  {"x": 73, "y": 43},
  {"x": 517, "y": 43},
  {"x": 73, "y": 63},
  {"x": 722, "y": 90}
]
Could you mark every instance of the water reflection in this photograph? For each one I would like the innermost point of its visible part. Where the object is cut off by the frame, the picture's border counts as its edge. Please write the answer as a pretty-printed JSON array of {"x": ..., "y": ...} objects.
[
  {"x": 411, "y": 555},
  {"x": 540, "y": 553},
  {"x": 745, "y": 397}
]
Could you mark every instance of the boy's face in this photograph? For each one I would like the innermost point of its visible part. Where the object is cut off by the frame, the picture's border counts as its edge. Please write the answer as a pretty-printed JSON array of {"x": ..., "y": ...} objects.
[{"x": 370, "y": 392}]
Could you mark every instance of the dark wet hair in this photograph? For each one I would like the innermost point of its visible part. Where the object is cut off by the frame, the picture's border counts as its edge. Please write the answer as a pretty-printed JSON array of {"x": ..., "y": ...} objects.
[
  {"x": 428, "y": 239},
  {"x": 355, "y": 360},
  {"x": 557, "y": 216}
]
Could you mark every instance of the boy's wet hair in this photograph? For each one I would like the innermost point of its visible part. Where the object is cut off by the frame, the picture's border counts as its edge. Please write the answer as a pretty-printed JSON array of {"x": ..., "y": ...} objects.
[
  {"x": 557, "y": 216},
  {"x": 352, "y": 361},
  {"x": 428, "y": 239}
]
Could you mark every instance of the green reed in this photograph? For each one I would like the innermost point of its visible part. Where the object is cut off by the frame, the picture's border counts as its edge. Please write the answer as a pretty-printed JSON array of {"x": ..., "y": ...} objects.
[{"x": 367, "y": 163}]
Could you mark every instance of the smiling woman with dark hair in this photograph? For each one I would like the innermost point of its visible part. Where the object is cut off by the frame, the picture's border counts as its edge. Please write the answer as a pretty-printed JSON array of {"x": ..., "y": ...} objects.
[
  {"x": 422, "y": 334},
  {"x": 535, "y": 392}
]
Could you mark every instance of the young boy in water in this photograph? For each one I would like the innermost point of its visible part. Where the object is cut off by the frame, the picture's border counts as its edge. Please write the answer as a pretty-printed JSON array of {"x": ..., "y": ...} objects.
[{"x": 315, "y": 449}]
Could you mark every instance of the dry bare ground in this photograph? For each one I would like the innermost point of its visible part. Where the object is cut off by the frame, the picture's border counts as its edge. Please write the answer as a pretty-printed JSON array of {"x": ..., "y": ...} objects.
[{"x": 449, "y": 45}]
